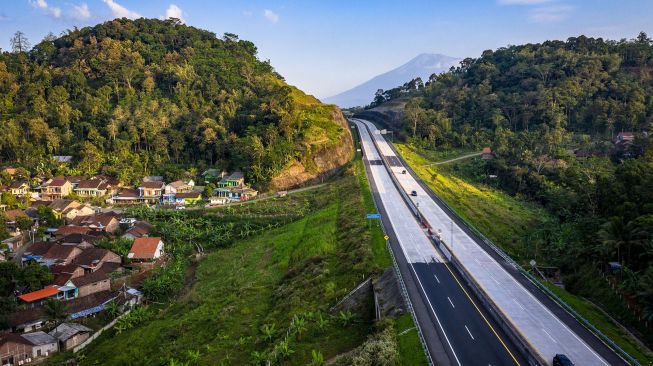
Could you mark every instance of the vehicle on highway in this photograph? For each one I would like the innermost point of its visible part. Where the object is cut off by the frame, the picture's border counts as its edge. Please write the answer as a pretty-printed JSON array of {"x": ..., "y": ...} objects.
[
  {"x": 413, "y": 193},
  {"x": 180, "y": 208},
  {"x": 562, "y": 360},
  {"x": 403, "y": 171}
]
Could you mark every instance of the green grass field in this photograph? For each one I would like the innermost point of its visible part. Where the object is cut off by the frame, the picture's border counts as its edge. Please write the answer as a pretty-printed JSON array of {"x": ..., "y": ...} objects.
[{"x": 504, "y": 219}]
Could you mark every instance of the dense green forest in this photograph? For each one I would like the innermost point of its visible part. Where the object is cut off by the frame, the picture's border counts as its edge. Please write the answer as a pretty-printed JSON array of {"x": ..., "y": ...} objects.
[
  {"x": 153, "y": 96},
  {"x": 551, "y": 113}
]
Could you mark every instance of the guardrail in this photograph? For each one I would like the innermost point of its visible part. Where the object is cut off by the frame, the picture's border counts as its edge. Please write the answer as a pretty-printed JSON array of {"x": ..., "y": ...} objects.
[
  {"x": 452, "y": 212},
  {"x": 402, "y": 284},
  {"x": 531, "y": 355}
]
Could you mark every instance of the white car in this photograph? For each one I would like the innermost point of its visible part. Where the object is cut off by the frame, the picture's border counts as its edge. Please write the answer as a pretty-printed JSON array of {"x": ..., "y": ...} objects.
[{"x": 180, "y": 208}]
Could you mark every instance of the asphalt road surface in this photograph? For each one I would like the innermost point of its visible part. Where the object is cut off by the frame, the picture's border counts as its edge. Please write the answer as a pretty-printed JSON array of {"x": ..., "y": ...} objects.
[
  {"x": 457, "y": 329},
  {"x": 537, "y": 321}
]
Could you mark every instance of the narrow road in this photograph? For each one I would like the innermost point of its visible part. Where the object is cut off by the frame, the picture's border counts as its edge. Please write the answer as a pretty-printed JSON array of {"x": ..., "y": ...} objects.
[{"x": 455, "y": 159}]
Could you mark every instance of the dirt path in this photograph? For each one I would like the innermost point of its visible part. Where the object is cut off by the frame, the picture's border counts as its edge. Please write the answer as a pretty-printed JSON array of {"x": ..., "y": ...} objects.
[{"x": 455, "y": 159}]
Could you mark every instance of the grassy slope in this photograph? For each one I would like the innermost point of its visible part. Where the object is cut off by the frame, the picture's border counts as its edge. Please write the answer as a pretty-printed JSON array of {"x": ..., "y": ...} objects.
[
  {"x": 409, "y": 346},
  {"x": 502, "y": 218},
  {"x": 303, "y": 267},
  {"x": 506, "y": 221}
]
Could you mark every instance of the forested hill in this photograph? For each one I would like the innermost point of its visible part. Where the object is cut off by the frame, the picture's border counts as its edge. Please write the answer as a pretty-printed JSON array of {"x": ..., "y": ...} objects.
[
  {"x": 584, "y": 85},
  {"x": 151, "y": 96},
  {"x": 569, "y": 126}
]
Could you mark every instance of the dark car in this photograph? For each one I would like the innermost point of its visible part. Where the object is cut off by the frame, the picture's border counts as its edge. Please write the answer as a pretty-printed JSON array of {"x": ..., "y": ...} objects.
[
  {"x": 403, "y": 171},
  {"x": 413, "y": 193},
  {"x": 562, "y": 360}
]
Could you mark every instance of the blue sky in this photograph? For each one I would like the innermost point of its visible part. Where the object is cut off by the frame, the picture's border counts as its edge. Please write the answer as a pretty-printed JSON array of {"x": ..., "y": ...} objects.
[{"x": 328, "y": 46}]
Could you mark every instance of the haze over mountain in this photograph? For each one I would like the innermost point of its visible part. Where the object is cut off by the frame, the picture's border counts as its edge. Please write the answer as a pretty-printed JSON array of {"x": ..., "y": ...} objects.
[{"x": 423, "y": 66}]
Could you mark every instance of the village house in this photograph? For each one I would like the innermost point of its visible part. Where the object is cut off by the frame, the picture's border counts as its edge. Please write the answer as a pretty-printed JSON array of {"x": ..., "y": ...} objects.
[
  {"x": 64, "y": 273},
  {"x": 94, "y": 187},
  {"x": 487, "y": 154},
  {"x": 70, "y": 229},
  {"x": 105, "y": 222},
  {"x": 43, "y": 344},
  {"x": 93, "y": 259},
  {"x": 38, "y": 297},
  {"x": 624, "y": 138},
  {"x": 90, "y": 283},
  {"x": 235, "y": 193},
  {"x": 70, "y": 335},
  {"x": 150, "y": 191},
  {"x": 14, "y": 349},
  {"x": 211, "y": 175},
  {"x": 187, "y": 198},
  {"x": 81, "y": 241},
  {"x": 234, "y": 180},
  {"x": 19, "y": 188},
  {"x": 126, "y": 196},
  {"x": 59, "y": 254},
  {"x": 146, "y": 249},
  {"x": 57, "y": 187},
  {"x": 138, "y": 230},
  {"x": 27, "y": 320},
  {"x": 172, "y": 190}
]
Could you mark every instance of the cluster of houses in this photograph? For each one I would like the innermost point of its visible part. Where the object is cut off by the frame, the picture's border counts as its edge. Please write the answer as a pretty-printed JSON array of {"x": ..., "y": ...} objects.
[
  {"x": 152, "y": 190},
  {"x": 86, "y": 277},
  {"x": 20, "y": 349}
]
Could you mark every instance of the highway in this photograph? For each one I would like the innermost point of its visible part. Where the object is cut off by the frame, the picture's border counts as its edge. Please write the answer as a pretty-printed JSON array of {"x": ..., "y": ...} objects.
[
  {"x": 456, "y": 328},
  {"x": 537, "y": 321}
]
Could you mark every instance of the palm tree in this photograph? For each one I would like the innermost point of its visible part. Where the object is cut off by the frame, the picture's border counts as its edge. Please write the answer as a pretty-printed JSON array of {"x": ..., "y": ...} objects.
[
  {"x": 113, "y": 308},
  {"x": 55, "y": 311}
]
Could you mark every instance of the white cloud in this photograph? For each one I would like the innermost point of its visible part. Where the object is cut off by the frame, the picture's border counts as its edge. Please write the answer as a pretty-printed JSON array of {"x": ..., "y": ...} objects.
[
  {"x": 523, "y": 2},
  {"x": 81, "y": 12},
  {"x": 271, "y": 16},
  {"x": 48, "y": 10},
  {"x": 120, "y": 11},
  {"x": 550, "y": 14},
  {"x": 174, "y": 11}
]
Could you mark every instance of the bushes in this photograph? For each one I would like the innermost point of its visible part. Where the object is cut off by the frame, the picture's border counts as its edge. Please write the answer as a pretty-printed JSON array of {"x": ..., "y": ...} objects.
[{"x": 165, "y": 281}]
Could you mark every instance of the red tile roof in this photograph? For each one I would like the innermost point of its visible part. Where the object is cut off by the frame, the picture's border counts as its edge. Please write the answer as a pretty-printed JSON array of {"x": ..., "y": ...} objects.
[
  {"x": 39, "y": 294},
  {"x": 144, "y": 248},
  {"x": 13, "y": 338},
  {"x": 152, "y": 185},
  {"x": 70, "y": 229},
  {"x": 188, "y": 195},
  {"x": 57, "y": 182},
  {"x": 12, "y": 215}
]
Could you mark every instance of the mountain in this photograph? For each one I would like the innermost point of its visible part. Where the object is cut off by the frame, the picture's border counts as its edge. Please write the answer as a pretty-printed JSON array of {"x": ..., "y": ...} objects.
[
  {"x": 423, "y": 66},
  {"x": 148, "y": 96}
]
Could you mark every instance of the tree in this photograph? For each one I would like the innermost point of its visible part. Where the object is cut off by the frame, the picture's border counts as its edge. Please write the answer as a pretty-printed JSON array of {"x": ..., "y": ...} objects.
[
  {"x": 55, "y": 311},
  {"x": 19, "y": 42}
]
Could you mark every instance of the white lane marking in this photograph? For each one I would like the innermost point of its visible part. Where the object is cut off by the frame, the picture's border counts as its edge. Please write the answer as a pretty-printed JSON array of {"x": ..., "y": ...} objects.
[
  {"x": 412, "y": 267},
  {"x": 517, "y": 302},
  {"x": 452, "y": 305},
  {"x": 519, "y": 285},
  {"x": 470, "y": 333},
  {"x": 547, "y": 333},
  {"x": 436, "y": 278},
  {"x": 495, "y": 280}
]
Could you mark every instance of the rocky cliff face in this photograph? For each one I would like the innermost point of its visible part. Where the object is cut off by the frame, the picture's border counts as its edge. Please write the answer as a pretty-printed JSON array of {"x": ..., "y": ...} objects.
[{"x": 324, "y": 162}]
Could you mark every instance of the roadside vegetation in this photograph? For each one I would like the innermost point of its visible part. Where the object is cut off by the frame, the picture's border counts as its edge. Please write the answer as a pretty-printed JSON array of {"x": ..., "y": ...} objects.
[
  {"x": 265, "y": 292},
  {"x": 511, "y": 222}
]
